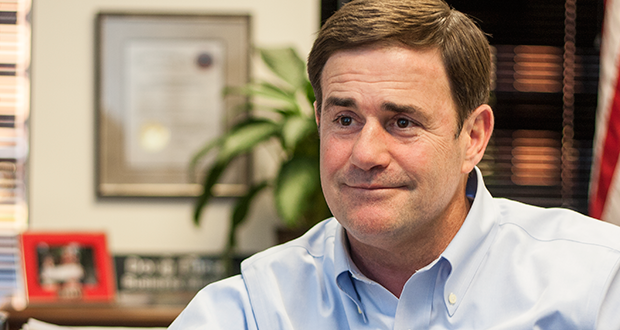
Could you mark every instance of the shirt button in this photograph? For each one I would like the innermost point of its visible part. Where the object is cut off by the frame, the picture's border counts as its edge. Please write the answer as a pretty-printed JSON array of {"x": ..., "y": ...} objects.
[{"x": 452, "y": 299}]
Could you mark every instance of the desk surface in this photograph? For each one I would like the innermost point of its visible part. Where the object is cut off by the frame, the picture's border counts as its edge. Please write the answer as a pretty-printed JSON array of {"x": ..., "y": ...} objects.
[{"x": 97, "y": 315}]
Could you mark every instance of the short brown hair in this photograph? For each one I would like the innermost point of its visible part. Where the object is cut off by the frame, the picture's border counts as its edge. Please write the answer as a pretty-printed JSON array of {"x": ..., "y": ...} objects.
[{"x": 412, "y": 23}]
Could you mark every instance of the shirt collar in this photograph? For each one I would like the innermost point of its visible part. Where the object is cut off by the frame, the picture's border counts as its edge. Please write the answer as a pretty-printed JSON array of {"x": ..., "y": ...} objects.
[
  {"x": 464, "y": 253},
  {"x": 342, "y": 261},
  {"x": 471, "y": 243}
]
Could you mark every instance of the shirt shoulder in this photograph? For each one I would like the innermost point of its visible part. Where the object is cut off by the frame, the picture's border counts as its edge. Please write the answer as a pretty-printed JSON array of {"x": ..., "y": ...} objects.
[
  {"x": 316, "y": 243},
  {"x": 277, "y": 277},
  {"x": 571, "y": 253},
  {"x": 551, "y": 224},
  {"x": 267, "y": 292},
  {"x": 222, "y": 305},
  {"x": 539, "y": 268}
]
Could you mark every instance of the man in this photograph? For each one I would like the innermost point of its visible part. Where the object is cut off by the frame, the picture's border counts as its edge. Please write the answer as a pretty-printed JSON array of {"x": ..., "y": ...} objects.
[{"x": 417, "y": 241}]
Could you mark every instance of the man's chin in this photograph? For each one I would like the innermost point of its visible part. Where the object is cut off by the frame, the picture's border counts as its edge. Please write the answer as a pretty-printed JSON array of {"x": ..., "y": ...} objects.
[{"x": 369, "y": 225}]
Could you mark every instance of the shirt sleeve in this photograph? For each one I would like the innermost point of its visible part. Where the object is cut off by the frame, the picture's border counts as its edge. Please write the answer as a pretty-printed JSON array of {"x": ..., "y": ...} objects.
[
  {"x": 221, "y": 305},
  {"x": 609, "y": 318}
]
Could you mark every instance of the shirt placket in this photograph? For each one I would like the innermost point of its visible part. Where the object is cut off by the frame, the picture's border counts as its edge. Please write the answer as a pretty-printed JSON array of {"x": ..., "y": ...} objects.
[{"x": 416, "y": 301}]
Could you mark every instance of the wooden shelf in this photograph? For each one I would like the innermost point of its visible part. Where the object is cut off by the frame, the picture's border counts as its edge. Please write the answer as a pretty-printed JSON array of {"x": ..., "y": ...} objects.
[{"x": 97, "y": 315}]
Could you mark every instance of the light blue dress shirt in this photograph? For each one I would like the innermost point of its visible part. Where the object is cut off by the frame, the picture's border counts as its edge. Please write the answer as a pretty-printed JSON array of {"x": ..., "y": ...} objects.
[{"x": 510, "y": 266}]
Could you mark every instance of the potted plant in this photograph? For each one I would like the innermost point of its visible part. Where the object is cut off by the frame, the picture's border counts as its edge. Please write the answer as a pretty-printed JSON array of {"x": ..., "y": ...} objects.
[{"x": 289, "y": 119}]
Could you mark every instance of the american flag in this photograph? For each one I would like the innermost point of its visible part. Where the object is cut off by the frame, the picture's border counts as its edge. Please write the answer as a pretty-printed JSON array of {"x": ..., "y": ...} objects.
[{"x": 605, "y": 181}]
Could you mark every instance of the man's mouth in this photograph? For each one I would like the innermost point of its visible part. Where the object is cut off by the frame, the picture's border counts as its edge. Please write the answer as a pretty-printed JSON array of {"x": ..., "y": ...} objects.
[{"x": 365, "y": 186}]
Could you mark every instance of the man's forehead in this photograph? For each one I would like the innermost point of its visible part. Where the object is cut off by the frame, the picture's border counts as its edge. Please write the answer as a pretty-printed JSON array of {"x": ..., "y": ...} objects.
[
  {"x": 396, "y": 69},
  {"x": 378, "y": 51}
]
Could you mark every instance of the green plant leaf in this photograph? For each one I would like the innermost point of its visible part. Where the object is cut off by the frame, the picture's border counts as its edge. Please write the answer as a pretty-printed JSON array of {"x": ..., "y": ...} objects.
[
  {"x": 202, "y": 152},
  {"x": 282, "y": 92},
  {"x": 266, "y": 90},
  {"x": 210, "y": 180},
  {"x": 242, "y": 138},
  {"x": 256, "y": 128},
  {"x": 241, "y": 210},
  {"x": 285, "y": 63},
  {"x": 297, "y": 181},
  {"x": 246, "y": 137},
  {"x": 309, "y": 146},
  {"x": 295, "y": 129}
]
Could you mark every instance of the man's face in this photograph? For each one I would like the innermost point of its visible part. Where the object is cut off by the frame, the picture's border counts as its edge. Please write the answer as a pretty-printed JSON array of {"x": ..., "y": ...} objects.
[{"x": 391, "y": 164}]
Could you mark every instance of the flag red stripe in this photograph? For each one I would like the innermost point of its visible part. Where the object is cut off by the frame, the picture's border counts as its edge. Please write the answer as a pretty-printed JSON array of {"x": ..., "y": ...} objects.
[{"x": 609, "y": 158}]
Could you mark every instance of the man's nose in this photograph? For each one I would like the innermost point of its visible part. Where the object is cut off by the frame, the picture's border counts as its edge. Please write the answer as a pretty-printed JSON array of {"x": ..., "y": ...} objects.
[{"x": 370, "y": 150}]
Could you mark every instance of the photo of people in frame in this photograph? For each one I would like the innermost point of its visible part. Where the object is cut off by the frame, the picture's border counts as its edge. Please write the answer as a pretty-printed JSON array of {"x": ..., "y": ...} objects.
[{"x": 66, "y": 269}]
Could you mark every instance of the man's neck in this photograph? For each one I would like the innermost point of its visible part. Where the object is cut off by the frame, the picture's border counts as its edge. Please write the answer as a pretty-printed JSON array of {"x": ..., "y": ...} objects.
[{"x": 391, "y": 265}]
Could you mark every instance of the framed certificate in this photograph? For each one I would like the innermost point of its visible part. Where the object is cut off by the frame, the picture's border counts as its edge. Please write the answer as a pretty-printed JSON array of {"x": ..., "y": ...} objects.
[{"x": 160, "y": 84}]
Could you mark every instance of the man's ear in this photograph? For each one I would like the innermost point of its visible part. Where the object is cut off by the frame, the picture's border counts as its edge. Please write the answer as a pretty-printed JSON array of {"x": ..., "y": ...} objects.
[{"x": 477, "y": 130}]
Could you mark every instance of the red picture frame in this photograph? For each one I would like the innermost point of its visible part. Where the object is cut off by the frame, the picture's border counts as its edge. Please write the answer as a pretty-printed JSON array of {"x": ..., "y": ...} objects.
[{"x": 67, "y": 267}]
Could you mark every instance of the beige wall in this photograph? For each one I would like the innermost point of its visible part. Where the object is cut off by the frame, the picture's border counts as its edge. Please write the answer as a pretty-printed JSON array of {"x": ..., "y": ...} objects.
[{"x": 62, "y": 165}]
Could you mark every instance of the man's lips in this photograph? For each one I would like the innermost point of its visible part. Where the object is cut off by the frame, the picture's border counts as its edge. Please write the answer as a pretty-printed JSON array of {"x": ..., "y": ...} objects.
[{"x": 373, "y": 186}]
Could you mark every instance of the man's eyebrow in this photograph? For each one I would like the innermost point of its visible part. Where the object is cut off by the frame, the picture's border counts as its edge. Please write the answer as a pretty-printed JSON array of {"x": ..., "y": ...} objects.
[
  {"x": 406, "y": 109},
  {"x": 399, "y": 108},
  {"x": 333, "y": 101}
]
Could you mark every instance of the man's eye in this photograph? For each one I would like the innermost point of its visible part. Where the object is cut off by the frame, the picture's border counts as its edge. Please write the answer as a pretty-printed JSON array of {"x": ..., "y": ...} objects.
[
  {"x": 402, "y": 123},
  {"x": 345, "y": 121}
]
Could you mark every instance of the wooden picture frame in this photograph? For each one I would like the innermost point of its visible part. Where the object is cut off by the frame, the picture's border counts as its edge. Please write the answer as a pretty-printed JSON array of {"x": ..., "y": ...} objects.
[{"x": 160, "y": 97}]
